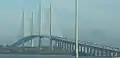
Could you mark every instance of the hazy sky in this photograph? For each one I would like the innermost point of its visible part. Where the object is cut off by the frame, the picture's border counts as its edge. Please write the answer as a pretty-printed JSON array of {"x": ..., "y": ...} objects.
[{"x": 99, "y": 19}]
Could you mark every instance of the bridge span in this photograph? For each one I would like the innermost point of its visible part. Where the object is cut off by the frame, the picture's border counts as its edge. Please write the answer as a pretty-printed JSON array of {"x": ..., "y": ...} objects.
[{"x": 65, "y": 45}]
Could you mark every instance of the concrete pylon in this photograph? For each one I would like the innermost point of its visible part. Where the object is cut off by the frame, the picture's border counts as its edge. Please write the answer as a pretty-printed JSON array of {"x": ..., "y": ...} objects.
[{"x": 31, "y": 29}]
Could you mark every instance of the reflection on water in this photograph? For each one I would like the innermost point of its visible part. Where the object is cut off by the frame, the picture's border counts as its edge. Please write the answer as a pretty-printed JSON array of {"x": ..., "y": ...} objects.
[{"x": 43, "y": 56}]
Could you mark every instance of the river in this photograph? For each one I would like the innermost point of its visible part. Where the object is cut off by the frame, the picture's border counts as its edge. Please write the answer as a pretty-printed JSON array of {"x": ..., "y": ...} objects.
[{"x": 43, "y": 56}]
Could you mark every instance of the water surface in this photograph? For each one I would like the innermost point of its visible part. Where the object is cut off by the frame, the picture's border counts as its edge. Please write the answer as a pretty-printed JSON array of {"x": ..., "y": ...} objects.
[{"x": 43, "y": 56}]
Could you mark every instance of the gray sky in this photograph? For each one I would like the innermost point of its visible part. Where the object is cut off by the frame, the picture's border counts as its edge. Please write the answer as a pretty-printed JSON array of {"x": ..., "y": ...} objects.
[{"x": 98, "y": 19}]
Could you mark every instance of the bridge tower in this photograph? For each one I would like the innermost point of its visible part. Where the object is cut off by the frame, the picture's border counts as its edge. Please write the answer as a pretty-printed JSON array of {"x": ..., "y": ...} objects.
[
  {"x": 50, "y": 29},
  {"x": 31, "y": 28},
  {"x": 39, "y": 23},
  {"x": 22, "y": 34}
]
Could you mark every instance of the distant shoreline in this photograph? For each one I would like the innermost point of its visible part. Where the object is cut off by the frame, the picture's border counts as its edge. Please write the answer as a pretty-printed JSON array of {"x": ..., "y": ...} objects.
[
  {"x": 32, "y": 54},
  {"x": 39, "y": 54}
]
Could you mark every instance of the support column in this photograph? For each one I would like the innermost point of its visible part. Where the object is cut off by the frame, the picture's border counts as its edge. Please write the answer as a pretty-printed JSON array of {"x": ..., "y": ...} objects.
[
  {"x": 94, "y": 51},
  {"x": 118, "y": 54},
  {"x": 23, "y": 43},
  {"x": 58, "y": 44},
  {"x": 84, "y": 49},
  {"x": 106, "y": 53},
  {"x": 102, "y": 52},
  {"x": 113, "y": 53},
  {"x": 91, "y": 51},
  {"x": 70, "y": 47},
  {"x": 88, "y": 51},
  {"x": 23, "y": 46},
  {"x": 110, "y": 53},
  {"x": 50, "y": 48},
  {"x": 39, "y": 42},
  {"x": 81, "y": 48},
  {"x": 78, "y": 47},
  {"x": 55, "y": 47},
  {"x": 74, "y": 47},
  {"x": 62, "y": 46},
  {"x": 67, "y": 47},
  {"x": 98, "y": 52}
]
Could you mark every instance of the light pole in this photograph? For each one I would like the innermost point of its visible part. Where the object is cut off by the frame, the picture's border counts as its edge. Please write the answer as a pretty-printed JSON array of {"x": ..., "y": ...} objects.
[
  {"x": 50, "y": 27},
  {"x": 76, "y": 27},
  {"x": 39, "y": 23}
]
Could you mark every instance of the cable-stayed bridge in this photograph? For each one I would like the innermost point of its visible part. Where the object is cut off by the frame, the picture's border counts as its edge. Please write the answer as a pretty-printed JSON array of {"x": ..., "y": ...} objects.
[
  {"x": 66, "y": 46},
  {"x": 60, "y": 45}
]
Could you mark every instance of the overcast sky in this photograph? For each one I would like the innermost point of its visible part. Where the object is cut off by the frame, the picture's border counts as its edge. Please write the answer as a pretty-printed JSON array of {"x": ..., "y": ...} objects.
[{"x": 98, "y": 19}]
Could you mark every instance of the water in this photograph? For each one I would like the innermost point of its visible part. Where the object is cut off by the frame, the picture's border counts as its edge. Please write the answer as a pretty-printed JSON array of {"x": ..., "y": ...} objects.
[{"x": 42, "y": 56}]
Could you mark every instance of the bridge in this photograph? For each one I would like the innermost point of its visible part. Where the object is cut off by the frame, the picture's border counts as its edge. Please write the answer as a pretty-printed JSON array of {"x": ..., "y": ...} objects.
[
  {"x": 63, "y": 45},
  {"x": 67, "y": 46}
]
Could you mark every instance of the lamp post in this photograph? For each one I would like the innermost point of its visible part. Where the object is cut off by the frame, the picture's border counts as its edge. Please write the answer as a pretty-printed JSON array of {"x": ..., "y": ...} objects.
[
  {"x": 39, "y": 22},
  {"x": 76, "y": 27}
]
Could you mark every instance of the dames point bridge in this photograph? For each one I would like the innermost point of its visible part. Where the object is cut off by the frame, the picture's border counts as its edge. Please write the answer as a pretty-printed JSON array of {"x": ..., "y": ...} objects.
[
  {"x": 68, "y": 47},
  {"x": 60, "y": 45}
]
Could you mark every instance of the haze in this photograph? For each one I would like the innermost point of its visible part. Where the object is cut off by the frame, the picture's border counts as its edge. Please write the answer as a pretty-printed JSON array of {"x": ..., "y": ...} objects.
[{"x": 98, "y": 19}]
